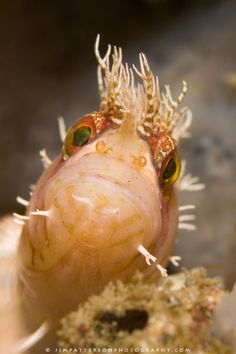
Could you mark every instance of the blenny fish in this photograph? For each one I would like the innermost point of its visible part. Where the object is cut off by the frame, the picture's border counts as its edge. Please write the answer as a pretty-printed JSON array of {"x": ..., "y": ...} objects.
[{"x": 107, "y": 205}]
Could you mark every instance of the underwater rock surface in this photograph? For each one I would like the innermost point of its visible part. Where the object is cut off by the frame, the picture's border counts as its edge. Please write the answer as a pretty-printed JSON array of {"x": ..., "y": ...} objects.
[{"x": 175, "y": 314}]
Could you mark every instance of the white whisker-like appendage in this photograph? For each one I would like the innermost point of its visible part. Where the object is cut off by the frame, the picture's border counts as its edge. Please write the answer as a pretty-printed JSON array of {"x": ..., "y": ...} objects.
[
  {"x": 21, "y": 217},
  {"x": 187, "y": 182},
  {"x": 162, "y": 270},
  {"x": 186, "y": 217},
  {"x": 190, "y": 183},
  {"x": 44, "y": 158},
  {"x": 62, "y": 128},
  {"x": 175, "y": 260},
  {"x": 186, "y": 226},
  {"x": 22, "y": 201},
  {"x": 148, "y": 257},
  {"x": 40, "y": 213},
  {"x": 186, "y": 207}
]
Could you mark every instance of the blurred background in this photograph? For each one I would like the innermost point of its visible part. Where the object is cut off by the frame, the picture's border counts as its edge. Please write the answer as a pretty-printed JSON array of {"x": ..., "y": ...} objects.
[{"x": 48, "y": 69}]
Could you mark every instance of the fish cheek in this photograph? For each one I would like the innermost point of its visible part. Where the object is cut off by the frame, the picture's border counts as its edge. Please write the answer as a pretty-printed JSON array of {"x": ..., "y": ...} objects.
[{"x": 169, "y": 216}]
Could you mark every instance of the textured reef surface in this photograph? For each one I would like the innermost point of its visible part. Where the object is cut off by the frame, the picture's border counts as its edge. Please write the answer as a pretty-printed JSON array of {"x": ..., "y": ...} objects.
[{"x": 176, "y": 314}]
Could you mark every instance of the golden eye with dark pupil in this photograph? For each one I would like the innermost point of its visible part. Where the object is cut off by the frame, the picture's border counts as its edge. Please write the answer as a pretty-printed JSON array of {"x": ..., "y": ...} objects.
[
  {"x": 81, "y": 136},
  {"x": 170, "y": 169}
]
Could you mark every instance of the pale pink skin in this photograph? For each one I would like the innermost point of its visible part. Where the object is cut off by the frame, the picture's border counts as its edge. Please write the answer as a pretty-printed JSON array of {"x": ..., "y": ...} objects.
[{"x": 102, "y": 205}]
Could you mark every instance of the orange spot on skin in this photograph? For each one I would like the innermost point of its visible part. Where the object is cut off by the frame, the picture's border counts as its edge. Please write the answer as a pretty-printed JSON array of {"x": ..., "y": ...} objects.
[
  {"x": 139, "y": 162},
  {"x": 102, "y": 148}
]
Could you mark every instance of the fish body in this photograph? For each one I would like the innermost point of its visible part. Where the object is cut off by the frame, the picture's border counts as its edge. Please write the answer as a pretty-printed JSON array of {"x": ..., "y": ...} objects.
[{"x": 107, "y": 205}]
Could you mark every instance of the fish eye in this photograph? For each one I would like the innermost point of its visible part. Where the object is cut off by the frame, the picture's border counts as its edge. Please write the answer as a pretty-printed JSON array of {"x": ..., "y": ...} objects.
[
  {"x": 81, "y": 136},
  {"x": 81, "y": 133},
  {"x": 170, "y": 170}
]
